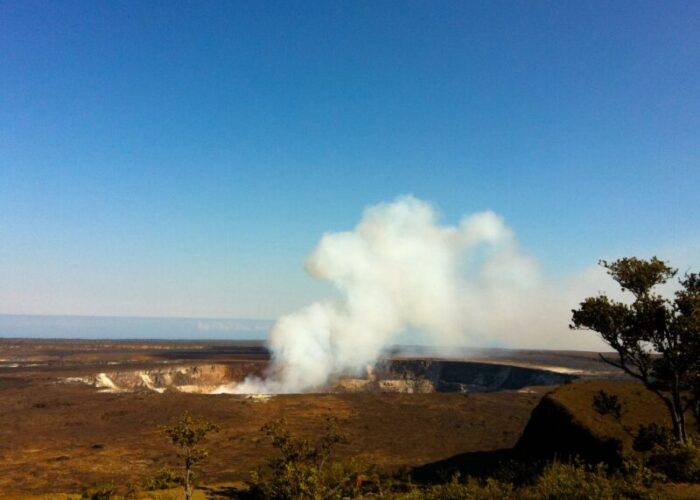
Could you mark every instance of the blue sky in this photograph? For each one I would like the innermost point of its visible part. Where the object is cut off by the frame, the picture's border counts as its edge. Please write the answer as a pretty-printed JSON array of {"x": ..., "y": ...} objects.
[{"x": 182, "y": 158}]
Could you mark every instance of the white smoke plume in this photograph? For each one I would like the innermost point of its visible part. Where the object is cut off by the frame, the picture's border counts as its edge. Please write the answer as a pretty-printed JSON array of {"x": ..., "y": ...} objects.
[{"x": 399, "y": 268}]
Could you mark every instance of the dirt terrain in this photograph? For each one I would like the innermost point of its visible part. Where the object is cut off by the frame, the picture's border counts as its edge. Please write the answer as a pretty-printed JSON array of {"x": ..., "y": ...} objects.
[{"x": 62, "y": 436}]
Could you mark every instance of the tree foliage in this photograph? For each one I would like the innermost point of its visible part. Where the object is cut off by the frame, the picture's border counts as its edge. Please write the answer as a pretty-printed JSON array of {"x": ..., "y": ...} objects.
[
  {"x": 657, "y": 340},
  {"x": 187, "y": 435},
  {"x": 305, "y": 468}
]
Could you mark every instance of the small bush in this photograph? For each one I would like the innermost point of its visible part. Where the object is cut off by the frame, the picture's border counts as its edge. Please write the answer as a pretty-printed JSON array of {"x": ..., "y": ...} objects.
[
  {"x": 288, "y": 482},
  {"x": 519, "y": 472},
  {"x": 355, "y": 479},
  {"x": 102, "y": 492},
  {"x": 558, "y": 481},
  {"x": 680, "y": 463},
  {"x": 491, "y": 489},
  {"x": 637, "y": 475},
  {"x": 653, "y": 436},
  {"x": 335, "y": 480},
  {"x": 304, "y": 468},
  {"x": 579, "y": 482},
  {"x": 607, "y": 404},
  {"x": 571, "y": 481},
  {"x": 162, "y": 480}
]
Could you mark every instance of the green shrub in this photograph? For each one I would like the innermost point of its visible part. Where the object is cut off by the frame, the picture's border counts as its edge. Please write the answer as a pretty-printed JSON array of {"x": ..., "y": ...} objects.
[
  {"x": 102, "y": 492},
  {"x": 304, "y": 469},
  {"x": 580, "y": 482},
  {"x": 491, "y": 489},
  {"x": 352, "y": 479},
  {"x": 571, "y": 481},
  {"x": 289, "y": 481},
  {"x": 336, "y": 480},
  {"x": 519, "y": 472},
  {"x": 635, "y": 475},
  {"x": 557, "y": 481},
  {"x": 680, "y": 463},
  {"x": 652, "y": 436},
  {"x": 162, "y": 480}
]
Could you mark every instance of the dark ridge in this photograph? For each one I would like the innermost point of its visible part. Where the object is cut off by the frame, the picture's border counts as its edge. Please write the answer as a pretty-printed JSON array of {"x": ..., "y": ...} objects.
[{"x": 553, "y": 431}]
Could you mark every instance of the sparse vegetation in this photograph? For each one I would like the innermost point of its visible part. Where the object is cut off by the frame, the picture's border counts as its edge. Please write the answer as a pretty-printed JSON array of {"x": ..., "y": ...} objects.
[
  {"x": 187, "y": 435},
  {"x": 471, "y": 489},
  {"x": 556, "y": 481},
  {"x": 101, "y": 492},
  {"x": 162, "y": 480},
  {"x": 657, "y": 340},
  {"x": 653, "y": 436},
  {"x": 574, "y": 481},
  {"x": 678, "y": 462},
  {"x": 304, "y": 468}
]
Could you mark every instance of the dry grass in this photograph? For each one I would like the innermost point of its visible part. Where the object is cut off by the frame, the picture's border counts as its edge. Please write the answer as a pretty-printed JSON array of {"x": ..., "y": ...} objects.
[
  {"x": 59, "y": 438},
  {"x": 640, "y": 407}
]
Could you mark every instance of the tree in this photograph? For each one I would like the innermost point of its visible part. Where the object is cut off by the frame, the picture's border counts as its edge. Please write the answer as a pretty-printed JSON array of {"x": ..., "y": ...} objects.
[
  {"x": 186, "y": 435},
  {"x": 657, "y": 340}
]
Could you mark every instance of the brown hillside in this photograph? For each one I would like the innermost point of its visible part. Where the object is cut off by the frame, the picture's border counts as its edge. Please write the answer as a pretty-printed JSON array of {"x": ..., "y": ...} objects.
[{"x": 565, "y": 423}]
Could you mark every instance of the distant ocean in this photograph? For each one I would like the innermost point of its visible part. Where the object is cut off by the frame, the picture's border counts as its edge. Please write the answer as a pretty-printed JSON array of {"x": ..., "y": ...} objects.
[{"x": 118, "y": 327}]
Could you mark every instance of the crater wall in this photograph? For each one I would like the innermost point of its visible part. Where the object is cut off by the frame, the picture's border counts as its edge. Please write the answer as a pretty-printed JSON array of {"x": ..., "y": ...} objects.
[{"x": 389, "y": 375}]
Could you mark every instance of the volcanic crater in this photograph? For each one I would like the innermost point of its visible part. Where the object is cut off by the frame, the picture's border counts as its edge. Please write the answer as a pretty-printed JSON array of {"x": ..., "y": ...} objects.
[{"x": 388, "y": 375}]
